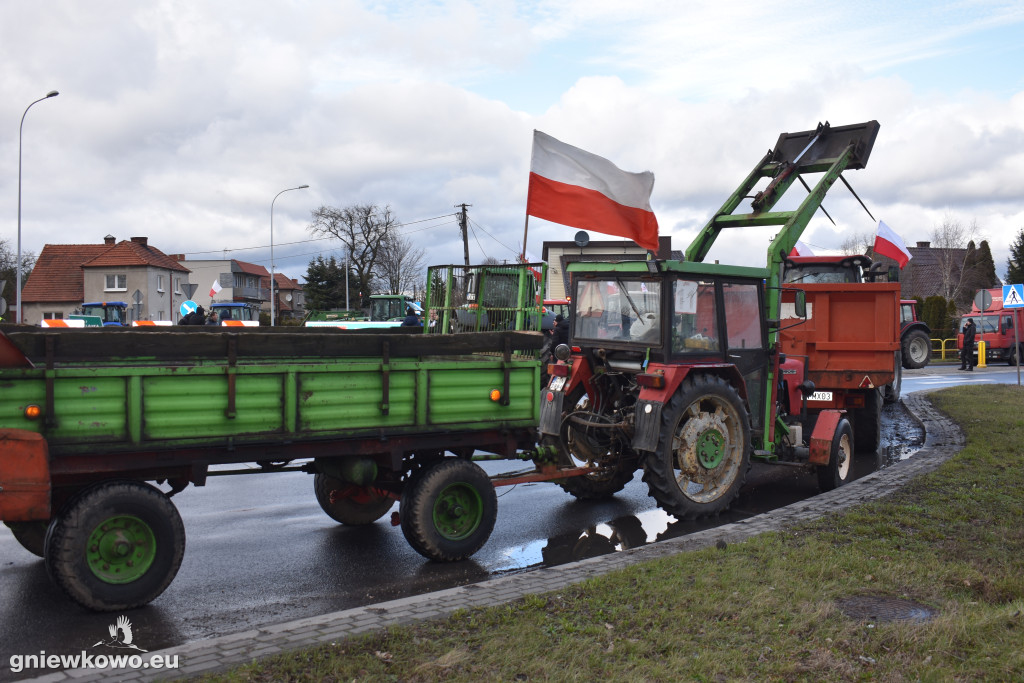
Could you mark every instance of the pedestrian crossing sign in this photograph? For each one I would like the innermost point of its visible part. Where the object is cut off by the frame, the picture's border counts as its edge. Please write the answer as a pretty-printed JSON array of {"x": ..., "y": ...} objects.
[{"x": 1013, "y": 296}]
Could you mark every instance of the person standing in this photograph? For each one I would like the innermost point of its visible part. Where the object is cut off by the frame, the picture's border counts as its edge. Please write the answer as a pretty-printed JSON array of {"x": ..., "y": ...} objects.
[
  {"x": 967, "y": 350},
  {"x": 411, "y": 319}
]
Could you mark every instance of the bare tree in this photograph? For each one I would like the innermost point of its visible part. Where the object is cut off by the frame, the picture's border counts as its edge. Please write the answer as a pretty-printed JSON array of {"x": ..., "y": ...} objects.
[
  {"x": 8, "y": 267},
  {"x": 857, "y": 243},
  {"x": 400, "y": 265},
  {"x": 951, "y": 240},
  {"x": 363, "y": 229}
]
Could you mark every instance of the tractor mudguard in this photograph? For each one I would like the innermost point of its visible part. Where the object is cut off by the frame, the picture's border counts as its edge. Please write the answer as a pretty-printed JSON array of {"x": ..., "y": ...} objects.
[
  {"x": 24, "y": 476},
  {"x": 648, "y": 425},
  {"x": 551, "y": 411}
]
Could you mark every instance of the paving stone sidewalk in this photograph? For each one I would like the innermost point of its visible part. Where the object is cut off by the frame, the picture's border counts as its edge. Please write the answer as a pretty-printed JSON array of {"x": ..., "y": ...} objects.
[{"x": 943, "y": 439}]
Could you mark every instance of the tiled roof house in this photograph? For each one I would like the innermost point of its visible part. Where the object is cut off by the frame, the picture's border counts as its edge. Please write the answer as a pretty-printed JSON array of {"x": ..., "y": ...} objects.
[
  {"x": 291, "y": 300},
  {"x": 931, "y": 270},
  {"x": 67, "y": 275}
]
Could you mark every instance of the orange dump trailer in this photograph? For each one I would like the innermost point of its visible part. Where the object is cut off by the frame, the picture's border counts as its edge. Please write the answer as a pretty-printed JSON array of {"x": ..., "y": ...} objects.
[{"x": 850, "y": 341}]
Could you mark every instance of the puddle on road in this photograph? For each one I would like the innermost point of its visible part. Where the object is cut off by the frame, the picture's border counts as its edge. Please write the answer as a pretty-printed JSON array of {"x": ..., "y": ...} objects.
[{"x": 902, "y": 436}]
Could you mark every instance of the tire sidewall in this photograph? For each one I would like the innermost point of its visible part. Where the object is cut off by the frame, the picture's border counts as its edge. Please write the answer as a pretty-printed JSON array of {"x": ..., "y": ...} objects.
[
  {"x": 659, "y": 467},
  {"x": 68, "y": 534},
  {"x": 830, "y": 475},
  {"x": 417, "y": 508}
]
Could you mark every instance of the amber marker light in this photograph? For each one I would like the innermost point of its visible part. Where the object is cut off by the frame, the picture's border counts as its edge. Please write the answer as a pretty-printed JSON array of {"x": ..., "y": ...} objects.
[
  {"x": 33, "y": 412},
  {"x": 495, "y": 395}
]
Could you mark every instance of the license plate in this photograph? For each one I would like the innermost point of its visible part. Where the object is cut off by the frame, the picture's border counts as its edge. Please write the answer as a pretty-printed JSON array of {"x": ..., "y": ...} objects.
[
  {"x": 820, "y": 396},
  {"x": 557, "y": 383}
]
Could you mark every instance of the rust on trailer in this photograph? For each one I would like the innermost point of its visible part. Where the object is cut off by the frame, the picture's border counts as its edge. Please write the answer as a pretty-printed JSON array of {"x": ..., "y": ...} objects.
[{"x": 24, "y": 476}]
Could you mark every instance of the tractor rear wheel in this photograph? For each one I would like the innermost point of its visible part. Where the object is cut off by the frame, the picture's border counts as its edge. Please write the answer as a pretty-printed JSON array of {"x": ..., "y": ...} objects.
[
  {"x": 917, "y": 350},
  {"x": 580, "y": 445},
  {"x": 704, "y": 451}
]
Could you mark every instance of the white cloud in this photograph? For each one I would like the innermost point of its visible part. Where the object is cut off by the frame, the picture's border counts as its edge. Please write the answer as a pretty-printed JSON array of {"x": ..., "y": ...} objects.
[{"x": 181, "y": 120}]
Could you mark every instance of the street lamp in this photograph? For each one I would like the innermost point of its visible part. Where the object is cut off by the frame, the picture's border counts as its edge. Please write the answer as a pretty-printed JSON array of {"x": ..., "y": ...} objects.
[
  {"x": 52, "y": 93},
  {"x": 300, "y": 187}
]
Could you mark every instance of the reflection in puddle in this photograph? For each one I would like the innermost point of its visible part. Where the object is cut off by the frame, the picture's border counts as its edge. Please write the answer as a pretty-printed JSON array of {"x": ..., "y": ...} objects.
[{"x": 902, "y": 436}]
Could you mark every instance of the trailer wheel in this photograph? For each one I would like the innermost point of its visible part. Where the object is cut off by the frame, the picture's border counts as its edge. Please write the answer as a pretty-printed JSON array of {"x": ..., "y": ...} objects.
[
  {"x": 917, "y": 350},
  {"x": 31, "y": 535},
  {"x": 353, "y": 505},
  {"x": 580, "y": 447},
  {"x": 448, "y": 510},
  {"x": 115, "y": 546},
  {"x": 704, "y": 451},
  {"x": 891, "y": 392},
  {"x": 867, "y": 423},
  {"x": 840, "y": 462}
]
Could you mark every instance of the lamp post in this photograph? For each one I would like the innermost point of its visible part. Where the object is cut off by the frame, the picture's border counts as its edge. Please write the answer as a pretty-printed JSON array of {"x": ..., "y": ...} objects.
[
  {"x": 300, "y": 187},
  {"x": 17, "y": 266}
]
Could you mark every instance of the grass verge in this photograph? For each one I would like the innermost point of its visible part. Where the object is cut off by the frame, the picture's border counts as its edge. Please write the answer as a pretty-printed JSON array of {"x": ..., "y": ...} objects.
[{"x": 768, "y": 608}]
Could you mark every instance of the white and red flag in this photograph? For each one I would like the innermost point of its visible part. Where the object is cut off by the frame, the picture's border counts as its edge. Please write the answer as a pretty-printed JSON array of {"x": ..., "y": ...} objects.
[
  {"x": 801, "y": 249},
  {"x": 576, "y": 188},
  {"x": 888, "y": 243},
  {"x": 215, "y": 288}
]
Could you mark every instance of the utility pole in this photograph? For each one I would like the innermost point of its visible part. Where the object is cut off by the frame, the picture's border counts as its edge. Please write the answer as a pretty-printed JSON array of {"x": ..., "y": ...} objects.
[{"x": 463, "y": 221}]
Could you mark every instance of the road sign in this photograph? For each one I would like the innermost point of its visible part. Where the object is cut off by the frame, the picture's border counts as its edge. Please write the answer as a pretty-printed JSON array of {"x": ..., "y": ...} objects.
[
  {"x": 983, "y": 300},
  {"x": 1013, "y": 296},
  {"x": 188, "y": 307},
  {"x": 190, "y": 288}
]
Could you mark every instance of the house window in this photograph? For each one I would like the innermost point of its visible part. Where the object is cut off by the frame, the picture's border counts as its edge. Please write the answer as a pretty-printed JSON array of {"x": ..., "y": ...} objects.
[
  {"x": 239, "y": 281},
  {"x": 159, "y": 315},
  {"x": 177, "y": 285},
  {"x": 53, "y": 315},
  {"x": 159, "y": 283},
  {"x": 116, "y": 283}
]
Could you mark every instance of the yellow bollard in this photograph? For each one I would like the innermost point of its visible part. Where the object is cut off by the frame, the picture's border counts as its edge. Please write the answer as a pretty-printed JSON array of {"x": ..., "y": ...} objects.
[{"x": 981, "y": 354}]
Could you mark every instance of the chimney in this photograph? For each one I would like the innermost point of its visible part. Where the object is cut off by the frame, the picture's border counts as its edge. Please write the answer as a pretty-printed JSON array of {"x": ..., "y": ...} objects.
[
  {"x": 140, "y": 240},
  {"x": 924, "y": 245},
  {"x": 177, "y": 257},
  {"x": 109, "y": 240}
]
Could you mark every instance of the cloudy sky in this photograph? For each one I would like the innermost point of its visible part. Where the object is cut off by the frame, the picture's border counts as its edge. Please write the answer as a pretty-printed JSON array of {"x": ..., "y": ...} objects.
[{"x": 181, "y": 120}]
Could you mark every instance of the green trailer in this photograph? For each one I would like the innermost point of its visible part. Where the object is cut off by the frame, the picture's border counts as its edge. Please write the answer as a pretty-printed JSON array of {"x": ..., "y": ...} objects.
[{"x": 100, "y": 427}]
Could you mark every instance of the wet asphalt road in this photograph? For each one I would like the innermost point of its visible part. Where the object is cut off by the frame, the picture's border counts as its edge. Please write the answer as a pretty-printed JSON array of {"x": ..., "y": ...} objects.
[{"x": 260, "y": 550}]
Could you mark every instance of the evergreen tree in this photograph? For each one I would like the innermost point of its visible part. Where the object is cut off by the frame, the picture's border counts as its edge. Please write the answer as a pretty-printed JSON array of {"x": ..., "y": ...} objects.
[
  {"x": 986, "y": 268},
  {"x": 325, "y": 285},
  {"x": 1015, "y": 264}
]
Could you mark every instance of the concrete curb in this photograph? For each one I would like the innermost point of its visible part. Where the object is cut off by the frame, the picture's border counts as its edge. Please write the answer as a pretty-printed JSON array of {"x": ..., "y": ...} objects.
[{"x": 943, "y": 439}]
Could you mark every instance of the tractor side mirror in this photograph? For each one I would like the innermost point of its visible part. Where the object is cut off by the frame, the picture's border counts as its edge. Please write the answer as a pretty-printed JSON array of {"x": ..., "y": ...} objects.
[
  {"x": 894, "y": 274},
  {"x": 800, "y": 303}
]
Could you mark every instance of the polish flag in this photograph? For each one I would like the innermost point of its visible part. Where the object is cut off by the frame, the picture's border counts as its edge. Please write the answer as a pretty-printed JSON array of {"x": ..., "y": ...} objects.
[
  {"x": 576, "y": 188},
  {"x": 215, "y": 288},
  {"x": 801, "y": 249},
  {"x": 888, "y": 243}
]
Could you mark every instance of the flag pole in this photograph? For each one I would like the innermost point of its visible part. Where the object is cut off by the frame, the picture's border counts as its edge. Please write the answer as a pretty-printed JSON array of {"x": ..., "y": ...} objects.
[{"x": 526, "y": 227}]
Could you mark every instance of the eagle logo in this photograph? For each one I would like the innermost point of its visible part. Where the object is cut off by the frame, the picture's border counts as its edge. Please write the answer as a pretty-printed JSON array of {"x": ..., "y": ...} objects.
[{"x": 121, "y": 635}]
